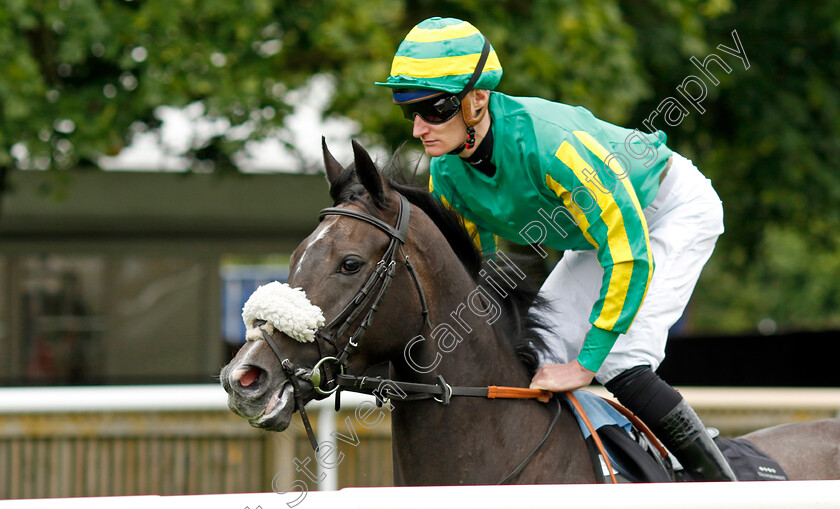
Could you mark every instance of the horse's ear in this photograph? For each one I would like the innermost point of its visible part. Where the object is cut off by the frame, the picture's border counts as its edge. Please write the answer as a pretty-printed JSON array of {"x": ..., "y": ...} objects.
[
  {"x": 332, "y": 166},
  {"x": 368, "y": 175}
]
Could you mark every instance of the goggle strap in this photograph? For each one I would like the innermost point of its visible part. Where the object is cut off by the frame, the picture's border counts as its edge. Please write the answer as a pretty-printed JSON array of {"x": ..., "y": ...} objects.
[{"x": 450, "y": 102}]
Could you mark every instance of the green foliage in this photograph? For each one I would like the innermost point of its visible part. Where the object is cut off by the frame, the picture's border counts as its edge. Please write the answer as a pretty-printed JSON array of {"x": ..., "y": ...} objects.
[
  {"x": 791, "y": 282},
  {"x": 79, "y": 78},
  {"x": 768, "y": 141}
]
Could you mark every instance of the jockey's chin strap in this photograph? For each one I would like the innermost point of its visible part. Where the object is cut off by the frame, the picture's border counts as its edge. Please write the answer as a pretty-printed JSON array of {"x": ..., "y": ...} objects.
[{"x": 465, "y": 105}]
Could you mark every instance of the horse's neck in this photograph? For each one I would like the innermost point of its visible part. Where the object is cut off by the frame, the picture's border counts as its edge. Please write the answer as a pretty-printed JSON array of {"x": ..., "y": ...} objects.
[
  {"x": 483, "y": 358},
  {"x": 462, "y": 343},
  {"x": 475, "y": 440}
]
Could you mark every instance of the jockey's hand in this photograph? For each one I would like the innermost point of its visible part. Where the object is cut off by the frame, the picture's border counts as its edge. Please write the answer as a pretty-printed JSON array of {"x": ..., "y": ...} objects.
[{"x": 562, "y": 377}]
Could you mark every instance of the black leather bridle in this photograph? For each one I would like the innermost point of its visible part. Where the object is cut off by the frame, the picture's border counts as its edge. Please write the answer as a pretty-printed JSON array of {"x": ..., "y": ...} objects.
[
  {"x": 374, "y": 290},
  {"x": 323, "y": 374}
]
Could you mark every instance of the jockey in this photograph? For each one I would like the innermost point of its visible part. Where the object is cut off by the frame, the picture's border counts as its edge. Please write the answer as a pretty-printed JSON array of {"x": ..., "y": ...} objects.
[{"x": 537, "y": 172}]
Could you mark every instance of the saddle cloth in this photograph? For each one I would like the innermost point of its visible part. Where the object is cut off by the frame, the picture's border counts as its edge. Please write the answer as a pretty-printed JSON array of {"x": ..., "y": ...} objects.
[{"x": 634, "y": 458}]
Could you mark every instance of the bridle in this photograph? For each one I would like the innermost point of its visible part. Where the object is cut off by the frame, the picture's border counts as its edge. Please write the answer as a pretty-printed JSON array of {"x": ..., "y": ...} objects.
[
  {"x": 324, "y": 374},
  {"x": 373, "y": 292},
  {"x": 329, "y": 371}
]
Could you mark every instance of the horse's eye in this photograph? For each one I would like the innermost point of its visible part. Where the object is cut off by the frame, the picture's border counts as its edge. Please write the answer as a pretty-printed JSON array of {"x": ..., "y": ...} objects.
[{"x": 350, "y": 266}]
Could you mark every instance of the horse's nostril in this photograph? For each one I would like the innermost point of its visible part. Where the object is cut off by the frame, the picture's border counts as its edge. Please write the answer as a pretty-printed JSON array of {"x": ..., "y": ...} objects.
[
  {"x": 250, "y": 376},
  {"x": 248, "y": 383},
  {"x": 246, "y": 377}
]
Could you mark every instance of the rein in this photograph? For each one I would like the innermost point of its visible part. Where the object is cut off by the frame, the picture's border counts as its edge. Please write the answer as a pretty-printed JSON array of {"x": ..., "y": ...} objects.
[{"x": 410, "y": 391}]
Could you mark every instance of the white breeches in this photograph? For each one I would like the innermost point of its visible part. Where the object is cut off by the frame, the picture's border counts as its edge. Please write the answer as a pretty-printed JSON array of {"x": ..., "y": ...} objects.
[{"x": 684, "y": 222}]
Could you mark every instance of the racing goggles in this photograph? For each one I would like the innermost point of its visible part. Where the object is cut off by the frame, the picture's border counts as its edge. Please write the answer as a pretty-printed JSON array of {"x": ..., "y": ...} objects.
[{"x": 436, "y": 110}]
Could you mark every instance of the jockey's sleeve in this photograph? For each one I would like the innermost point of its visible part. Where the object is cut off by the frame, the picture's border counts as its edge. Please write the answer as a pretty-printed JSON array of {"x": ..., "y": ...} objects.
[{"x": 597, "y": 191}]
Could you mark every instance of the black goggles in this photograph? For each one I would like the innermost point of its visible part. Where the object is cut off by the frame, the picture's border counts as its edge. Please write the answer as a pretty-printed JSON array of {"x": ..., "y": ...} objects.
[{"x": 436, "y": 110}]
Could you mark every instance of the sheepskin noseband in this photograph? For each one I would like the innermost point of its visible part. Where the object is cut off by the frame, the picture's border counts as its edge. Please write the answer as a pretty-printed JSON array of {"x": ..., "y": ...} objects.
[{"x": 283, "y": 308}]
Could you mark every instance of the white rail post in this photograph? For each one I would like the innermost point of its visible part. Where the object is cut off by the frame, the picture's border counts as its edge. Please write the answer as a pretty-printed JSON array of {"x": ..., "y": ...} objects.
[{"x": 326, "y": 434}]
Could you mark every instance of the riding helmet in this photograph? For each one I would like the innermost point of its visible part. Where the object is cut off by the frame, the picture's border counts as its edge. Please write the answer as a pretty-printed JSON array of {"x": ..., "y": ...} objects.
[{"x": 441, "y": 54}]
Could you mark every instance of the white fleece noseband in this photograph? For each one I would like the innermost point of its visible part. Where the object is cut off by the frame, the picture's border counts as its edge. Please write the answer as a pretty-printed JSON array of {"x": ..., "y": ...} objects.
[{"x": 283, "y": 308}]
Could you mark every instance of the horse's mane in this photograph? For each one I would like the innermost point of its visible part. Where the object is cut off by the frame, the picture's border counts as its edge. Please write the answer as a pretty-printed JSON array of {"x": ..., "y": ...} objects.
[{"x": 517, "y": 326}]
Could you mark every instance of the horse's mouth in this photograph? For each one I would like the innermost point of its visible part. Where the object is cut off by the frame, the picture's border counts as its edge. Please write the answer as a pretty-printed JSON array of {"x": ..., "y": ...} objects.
[{"x": 278, "y": 410}]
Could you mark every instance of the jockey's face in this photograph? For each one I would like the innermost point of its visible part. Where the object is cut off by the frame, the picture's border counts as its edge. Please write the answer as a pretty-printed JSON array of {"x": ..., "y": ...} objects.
[{"x": 440, "y": 139}]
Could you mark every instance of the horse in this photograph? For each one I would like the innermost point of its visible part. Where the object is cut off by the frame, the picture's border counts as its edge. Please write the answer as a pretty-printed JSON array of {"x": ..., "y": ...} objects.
[{"x": 395, "y": 267}]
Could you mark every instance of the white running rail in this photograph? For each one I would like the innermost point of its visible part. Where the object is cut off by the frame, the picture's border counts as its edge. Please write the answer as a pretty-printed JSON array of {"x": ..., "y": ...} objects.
[{"x": 744, "y": 495}]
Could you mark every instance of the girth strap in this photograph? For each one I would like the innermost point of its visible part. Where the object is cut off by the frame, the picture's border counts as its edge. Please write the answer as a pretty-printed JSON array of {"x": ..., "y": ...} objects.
[{"x": 528, "y": 458}]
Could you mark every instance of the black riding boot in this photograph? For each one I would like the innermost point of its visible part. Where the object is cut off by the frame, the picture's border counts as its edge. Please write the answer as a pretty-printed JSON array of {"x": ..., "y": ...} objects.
[
  {"x": 683, "y": 434},
  {"x": 673, "y": 420}
]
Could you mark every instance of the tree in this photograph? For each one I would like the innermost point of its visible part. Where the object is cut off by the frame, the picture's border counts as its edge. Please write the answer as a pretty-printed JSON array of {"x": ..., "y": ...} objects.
[
  {"x": 768, "y": 140},
  {"x": 80, "y": 78}
]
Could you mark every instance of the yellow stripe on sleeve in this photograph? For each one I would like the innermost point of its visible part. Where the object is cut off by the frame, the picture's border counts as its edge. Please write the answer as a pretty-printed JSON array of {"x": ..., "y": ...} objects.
[
  {"x": 617, "y": 240},
  {"x": 565, "y": 195},
  {"x": 471, "y": 227},
  {"x": 596, "y": 148},
  {"x": 602, "y": 153}
]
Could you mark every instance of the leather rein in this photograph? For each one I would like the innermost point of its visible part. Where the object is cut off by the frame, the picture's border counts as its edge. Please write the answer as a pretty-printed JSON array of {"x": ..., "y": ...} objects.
[{"x": 328, "y": 374}]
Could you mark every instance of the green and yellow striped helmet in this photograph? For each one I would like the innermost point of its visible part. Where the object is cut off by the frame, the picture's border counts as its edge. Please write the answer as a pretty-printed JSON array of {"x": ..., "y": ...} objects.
[{"x": 441, "y": 54}]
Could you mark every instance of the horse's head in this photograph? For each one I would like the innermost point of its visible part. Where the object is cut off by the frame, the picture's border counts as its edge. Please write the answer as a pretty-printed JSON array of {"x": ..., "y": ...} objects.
[{"x": 351, "y": 297}]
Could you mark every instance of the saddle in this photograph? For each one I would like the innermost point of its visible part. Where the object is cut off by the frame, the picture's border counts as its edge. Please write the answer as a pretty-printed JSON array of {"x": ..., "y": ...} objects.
[{"x": 635, "y": 455}]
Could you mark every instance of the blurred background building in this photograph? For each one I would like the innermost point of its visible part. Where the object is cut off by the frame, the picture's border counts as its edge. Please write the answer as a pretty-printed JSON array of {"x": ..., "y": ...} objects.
[{"x": 140, "y": 277}]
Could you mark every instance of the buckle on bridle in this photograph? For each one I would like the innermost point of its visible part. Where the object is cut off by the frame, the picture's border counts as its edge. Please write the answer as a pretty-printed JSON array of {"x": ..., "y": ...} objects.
[
  {"x": 314, "y": 376},
  {"x": 447, "y": 391}
]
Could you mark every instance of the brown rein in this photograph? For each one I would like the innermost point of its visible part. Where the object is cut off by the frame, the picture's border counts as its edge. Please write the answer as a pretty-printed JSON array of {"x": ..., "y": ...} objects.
[
  {"x": 495, "y": 391},
  {"x": 382, "y": 389}
]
